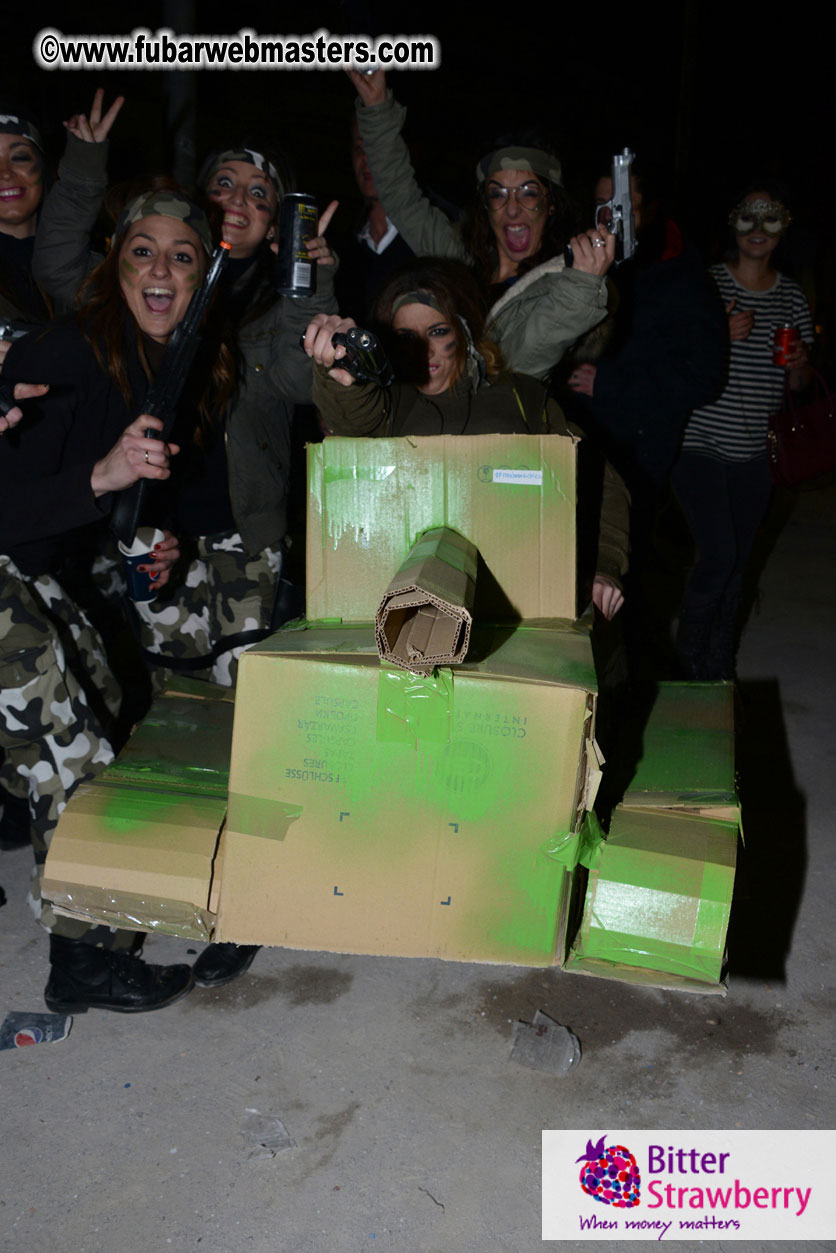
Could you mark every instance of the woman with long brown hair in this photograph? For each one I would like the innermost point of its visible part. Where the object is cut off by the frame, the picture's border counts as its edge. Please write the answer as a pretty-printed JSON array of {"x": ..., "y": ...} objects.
[
  {"x": 60, "y": 472},
  {"x": 235, "y": 534}
]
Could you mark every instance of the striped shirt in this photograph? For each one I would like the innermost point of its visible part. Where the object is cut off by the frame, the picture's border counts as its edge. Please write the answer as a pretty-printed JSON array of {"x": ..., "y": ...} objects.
[{"x": 734, "y": 427}]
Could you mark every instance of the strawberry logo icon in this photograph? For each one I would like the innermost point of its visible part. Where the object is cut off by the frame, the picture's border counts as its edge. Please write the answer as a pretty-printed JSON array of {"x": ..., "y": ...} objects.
[{"x": 610, "y": 1174}]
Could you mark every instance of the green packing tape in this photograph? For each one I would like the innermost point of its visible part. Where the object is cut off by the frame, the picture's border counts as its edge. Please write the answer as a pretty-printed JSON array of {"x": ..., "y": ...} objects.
[
  {"x": 411, "y": 708},
  {"x": 622, "y": 948},
  {"x": 592, "y": 842},
  {"x": 258, "y": 815},
  {"x": 564, "y": 848}
]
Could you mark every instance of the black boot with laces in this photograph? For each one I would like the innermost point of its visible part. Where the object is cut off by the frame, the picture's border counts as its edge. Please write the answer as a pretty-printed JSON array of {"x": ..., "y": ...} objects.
[{"x": 83, "y": 977}]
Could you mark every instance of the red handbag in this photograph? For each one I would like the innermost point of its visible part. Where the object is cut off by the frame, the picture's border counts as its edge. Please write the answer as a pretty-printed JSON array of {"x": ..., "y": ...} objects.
[{"x": 801, "y": 441}]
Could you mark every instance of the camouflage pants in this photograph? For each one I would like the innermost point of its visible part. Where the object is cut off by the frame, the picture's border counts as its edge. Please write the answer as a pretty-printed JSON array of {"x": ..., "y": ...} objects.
[
  {"x": 217, "y": 591},
  {"x": 50, "y": 735}
]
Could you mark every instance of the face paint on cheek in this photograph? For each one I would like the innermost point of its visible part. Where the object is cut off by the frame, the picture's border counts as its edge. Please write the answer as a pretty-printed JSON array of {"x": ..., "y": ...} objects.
[
  {"x": 192, "y": 280},
  {"x": 127, "y": 269}
]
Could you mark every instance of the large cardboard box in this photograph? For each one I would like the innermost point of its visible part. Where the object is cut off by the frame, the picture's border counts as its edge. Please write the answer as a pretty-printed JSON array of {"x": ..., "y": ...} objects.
[
  {"x": 513, "y": 496},
  {"x": 138, "y": 846},
  {"x": 375, "y": 811},
  {"x": 659, "y": 894}
]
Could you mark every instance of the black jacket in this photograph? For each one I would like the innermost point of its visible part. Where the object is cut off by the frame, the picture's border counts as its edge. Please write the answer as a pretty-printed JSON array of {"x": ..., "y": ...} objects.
[{"x": 668, "y": 356}]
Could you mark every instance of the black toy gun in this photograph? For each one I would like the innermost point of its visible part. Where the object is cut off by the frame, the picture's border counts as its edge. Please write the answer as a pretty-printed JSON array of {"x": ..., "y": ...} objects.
[
  {"x": 11, "y": 331},
  {"x": 364, "y": 356},
  {"x": 617, "y": 213},
  {"x": 165, "y": 391}
]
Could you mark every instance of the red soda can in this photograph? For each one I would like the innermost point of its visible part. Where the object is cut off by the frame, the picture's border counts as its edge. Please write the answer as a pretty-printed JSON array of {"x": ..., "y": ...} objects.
[{"x": 786, "y": 337}]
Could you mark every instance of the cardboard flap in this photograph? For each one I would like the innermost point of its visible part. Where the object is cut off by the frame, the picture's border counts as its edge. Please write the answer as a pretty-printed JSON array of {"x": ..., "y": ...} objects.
[
  {"x": 183, "y": 744},
  {"x": 687, "y": 756},
  {"x": 513, "y": 495}
]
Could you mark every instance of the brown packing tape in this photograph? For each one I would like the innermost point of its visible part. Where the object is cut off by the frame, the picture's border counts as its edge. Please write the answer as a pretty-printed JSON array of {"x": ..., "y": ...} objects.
[
  {"x": 137, "y": 913},
  {"x": 424, "y": 617},
  {"x": 262, "y": 816}
]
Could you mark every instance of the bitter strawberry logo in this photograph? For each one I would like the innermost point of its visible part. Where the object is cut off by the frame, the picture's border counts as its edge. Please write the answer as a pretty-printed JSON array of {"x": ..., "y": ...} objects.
[{"x": 610, "y": 1174}]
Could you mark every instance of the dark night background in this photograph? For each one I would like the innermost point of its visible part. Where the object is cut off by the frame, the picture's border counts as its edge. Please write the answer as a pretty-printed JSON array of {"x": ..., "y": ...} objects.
[{"x": 707, "y": 96}]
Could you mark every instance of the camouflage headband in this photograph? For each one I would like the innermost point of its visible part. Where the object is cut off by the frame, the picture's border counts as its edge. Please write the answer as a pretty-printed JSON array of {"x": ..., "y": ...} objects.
[
  {"x": 167, "y": 204},
  {"x": 541, "y": 163},
  {"x": 11, "y": 125},
  {"x": 417, "y": 298},
  {"x": 250, "y": 157}
]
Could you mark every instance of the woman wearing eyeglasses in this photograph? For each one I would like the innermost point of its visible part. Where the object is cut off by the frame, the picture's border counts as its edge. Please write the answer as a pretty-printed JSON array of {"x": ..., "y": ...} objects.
[
  {"x": 722, "y": 477},
  {"x": 513, "y": 236}
]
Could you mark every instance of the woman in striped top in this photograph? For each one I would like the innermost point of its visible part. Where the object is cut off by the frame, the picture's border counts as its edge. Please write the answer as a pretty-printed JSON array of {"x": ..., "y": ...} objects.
[{"x": 722, "y": 477}]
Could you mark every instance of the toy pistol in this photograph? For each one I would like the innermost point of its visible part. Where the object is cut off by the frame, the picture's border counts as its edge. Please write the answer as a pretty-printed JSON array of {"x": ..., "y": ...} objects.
[
  {"x": 364, "y": 356},
  {"x": 11, "y": 331},
  {"x": 617, "y": 214}
]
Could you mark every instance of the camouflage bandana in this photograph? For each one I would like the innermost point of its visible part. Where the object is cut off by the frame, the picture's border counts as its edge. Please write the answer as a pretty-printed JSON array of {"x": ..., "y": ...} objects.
[
  {"x": 167, "y": 204},
  {"x": 250, "y": 157},
  {"x": 417, "y": 298},
  {"x": 11, "y": 125},
  {"x": 541, "y": 163}
]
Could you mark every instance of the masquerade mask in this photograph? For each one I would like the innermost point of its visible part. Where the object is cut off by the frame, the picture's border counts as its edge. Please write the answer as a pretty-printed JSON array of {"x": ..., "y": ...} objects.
[{"x": 769, "y": 216}]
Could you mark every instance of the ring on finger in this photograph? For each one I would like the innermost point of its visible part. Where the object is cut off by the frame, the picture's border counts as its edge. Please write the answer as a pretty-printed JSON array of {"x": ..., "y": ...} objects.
[
  {"x": 598, "y": 242},
  {"x": 147, "y": 458}
]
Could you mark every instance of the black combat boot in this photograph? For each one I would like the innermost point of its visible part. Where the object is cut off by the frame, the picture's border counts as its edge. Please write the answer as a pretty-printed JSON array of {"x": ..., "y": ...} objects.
[
  {"x": 15, "y": 823},
  {"x": 83, "y": 977},
  {"x": 221, "y": 963},
  {"x": 692, "y": 642}
]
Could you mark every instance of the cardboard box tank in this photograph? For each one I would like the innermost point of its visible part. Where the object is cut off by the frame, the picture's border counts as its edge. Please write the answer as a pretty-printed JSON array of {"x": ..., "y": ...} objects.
[{"x": 375, "y": 811}]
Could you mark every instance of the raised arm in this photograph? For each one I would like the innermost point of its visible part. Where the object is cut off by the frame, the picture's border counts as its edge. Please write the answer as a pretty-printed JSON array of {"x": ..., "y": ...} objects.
[
  {"x": 427, "y": 230},
  {"x": 62, "y": 256},
  {"x": 290, "y": 372}
]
